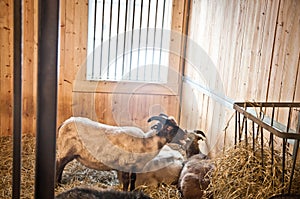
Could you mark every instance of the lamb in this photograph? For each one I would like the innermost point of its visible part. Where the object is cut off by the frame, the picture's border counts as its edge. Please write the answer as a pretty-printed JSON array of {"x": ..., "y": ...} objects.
[
  {"x": 104, "y": 147},
  {"x": 87, "y": 193},
  {"x": 194, "y": 177}
]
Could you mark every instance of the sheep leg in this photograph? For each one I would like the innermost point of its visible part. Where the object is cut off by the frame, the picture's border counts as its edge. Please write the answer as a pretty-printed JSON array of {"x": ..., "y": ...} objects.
[
  {"x": 132, "y": 181},
  {"x": 125, "y": 179},
  {"x": 60, "y": 165}
]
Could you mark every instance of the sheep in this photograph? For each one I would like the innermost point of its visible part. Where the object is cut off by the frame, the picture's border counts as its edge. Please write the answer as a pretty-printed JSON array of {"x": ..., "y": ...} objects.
[
  {"x": 167, "y": 165},
  {"x": 104, "y": 147},
  {"x": 87, "y": 193},
  {"x": 195, "y": 176}
]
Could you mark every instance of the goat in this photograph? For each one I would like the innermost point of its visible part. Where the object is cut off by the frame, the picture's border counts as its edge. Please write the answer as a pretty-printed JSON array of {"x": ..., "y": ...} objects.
[
  {"x": 104, "y": 147},
  {"x": 87, "y": 193}
]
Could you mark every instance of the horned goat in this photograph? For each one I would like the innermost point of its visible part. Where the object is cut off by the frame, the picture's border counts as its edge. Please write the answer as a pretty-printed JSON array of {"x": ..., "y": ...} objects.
[{"x": 104, "y": 147}]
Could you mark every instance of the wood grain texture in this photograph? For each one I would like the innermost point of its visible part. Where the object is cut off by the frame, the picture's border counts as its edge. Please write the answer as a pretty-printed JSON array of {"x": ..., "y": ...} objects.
[
  {"x": 6, "y": 67},
  {"x": 255, "y": 47}
]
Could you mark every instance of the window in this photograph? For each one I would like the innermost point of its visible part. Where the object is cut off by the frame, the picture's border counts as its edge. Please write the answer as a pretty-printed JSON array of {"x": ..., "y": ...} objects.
[{"x": 129, "y": 40}]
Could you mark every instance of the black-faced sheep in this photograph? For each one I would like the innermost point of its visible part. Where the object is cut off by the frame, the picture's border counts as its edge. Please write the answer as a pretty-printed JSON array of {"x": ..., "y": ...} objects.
[
  {"x": 104, "y": 147},
  {"x": 87, "y": 193}
]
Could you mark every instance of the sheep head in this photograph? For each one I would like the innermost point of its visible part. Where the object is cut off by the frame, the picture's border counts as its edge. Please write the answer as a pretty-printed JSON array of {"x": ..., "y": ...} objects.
[
  {"x": 169, "y": 130},
  {"x": 164, "y": 120}
]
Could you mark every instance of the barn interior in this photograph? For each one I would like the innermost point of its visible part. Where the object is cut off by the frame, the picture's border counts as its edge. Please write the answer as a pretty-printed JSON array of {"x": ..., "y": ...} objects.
[{"x": 228, "y": 68}]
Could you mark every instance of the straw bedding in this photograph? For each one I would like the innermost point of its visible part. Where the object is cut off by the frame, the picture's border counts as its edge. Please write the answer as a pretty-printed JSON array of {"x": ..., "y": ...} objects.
[
  {"x": 238, "y": 174},
  {"x": 75, "y": 174}
]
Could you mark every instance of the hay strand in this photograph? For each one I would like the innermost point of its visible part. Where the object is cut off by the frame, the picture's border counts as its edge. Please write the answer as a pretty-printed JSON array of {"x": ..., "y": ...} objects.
[{"x": 240, "y": 173}]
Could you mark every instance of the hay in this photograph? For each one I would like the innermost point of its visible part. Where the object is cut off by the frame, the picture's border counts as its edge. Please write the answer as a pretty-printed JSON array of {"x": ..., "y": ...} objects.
[
  {"x": 163, "y": 191},
  {"x": 74, "y": 175},
  {"x": 27, "y": 170},
  {"x": 239, "y": 174}
]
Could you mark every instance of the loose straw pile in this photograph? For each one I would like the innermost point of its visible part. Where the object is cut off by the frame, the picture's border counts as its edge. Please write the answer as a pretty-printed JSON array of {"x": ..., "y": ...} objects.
[
  {"x": 74, "y": 175},
  {"x": 163, "y": 191},
  {"x": 27, "y": 169},
  {"x": 239, "y": 173}
]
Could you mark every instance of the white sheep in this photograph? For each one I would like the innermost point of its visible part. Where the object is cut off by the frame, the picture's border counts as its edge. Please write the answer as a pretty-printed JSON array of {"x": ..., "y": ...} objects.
[{"x": 104, "y": 147}]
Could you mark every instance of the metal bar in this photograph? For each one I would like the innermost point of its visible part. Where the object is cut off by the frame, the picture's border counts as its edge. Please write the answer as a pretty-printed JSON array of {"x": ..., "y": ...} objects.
[
  {"x": 253, "y": 136},
  {"x": 235, "y": 128},
  {"x": 266, "y": 126},
  {"x": 239, "y": 126},
  {"x": 154, "y": 38},
  {"x": 109, "y": 38},
  {"x": 117, "y": 39},
  {"x": 272, "y": 137},
  {"x": 161, "y": 38},
  {"x": 102, "y": 27},
  {"x": 283, "y": 160},
  {"x": 94, "y": 43},
  {"x": 17, "y": 92},
  {"x": 124, "y": 43},
  {"x": 139, "y": 48},
  {"x": 246, "y": 129},
  {"x": 295, "y": 153},
  {"x": 289, "y": 119},
  {"x": 268, "y": 104},
  {"x": 262, "y": 145},
  {"x": 48, "y": 16},
  {"x": 146, "y": 50},
  {"x": 132, "y": 29}
]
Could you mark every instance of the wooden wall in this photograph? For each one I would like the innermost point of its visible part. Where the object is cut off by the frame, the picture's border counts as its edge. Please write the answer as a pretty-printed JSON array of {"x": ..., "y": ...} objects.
[
  {"x": 254, "y": 47},
  {"x": 107, "y": 102},
  {"x": 29, "y": 70}
]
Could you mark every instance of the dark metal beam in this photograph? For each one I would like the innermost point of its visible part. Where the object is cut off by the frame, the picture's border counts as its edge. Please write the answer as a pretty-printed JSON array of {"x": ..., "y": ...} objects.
[
  {"x": 17, "y": 107},
  {"x": 47, "y": 94}
]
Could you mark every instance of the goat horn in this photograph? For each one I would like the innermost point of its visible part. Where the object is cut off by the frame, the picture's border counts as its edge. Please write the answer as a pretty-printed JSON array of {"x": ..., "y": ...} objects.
[
  {"x": 159, "y": 118},
  {"x": 163, "y": 115},
  {"x": 199, "y": 132}
]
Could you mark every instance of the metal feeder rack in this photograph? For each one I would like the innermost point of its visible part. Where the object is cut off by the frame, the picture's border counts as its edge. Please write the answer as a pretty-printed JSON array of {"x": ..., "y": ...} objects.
[{"x": 263, "y": 122}]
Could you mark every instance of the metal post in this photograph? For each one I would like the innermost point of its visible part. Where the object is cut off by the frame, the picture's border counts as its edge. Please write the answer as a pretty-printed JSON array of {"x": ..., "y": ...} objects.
[
  {"x": 102, "y": 30},
  {"x": 109, "y": 37},
  {"x": 48, "y": 13},
  {"x": 17, "y": 108}
]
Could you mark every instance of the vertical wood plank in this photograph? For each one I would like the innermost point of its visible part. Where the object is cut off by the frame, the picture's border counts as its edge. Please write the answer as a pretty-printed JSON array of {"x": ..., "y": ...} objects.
[
  {"x": 29, "y": 66},
  {"x": 6, "y": 69}
]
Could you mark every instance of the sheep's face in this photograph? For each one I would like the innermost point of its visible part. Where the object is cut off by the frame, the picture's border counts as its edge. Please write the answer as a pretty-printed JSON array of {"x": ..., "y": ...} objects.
[{"x": 169, "y": 130}]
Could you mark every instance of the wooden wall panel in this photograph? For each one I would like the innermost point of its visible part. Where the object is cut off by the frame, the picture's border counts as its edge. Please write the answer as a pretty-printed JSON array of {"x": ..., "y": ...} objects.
[
  {"x": 29, "y": 72},
  {"x": 29, "y": 69},
  {"x": 254, "y": 45},
  {"x": 78, "y": 97},
  {"x": 6, "y": 67}
]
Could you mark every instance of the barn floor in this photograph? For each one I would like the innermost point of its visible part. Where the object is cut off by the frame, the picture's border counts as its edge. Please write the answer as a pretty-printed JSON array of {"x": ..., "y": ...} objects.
[{"x": 75, "y": 174}]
